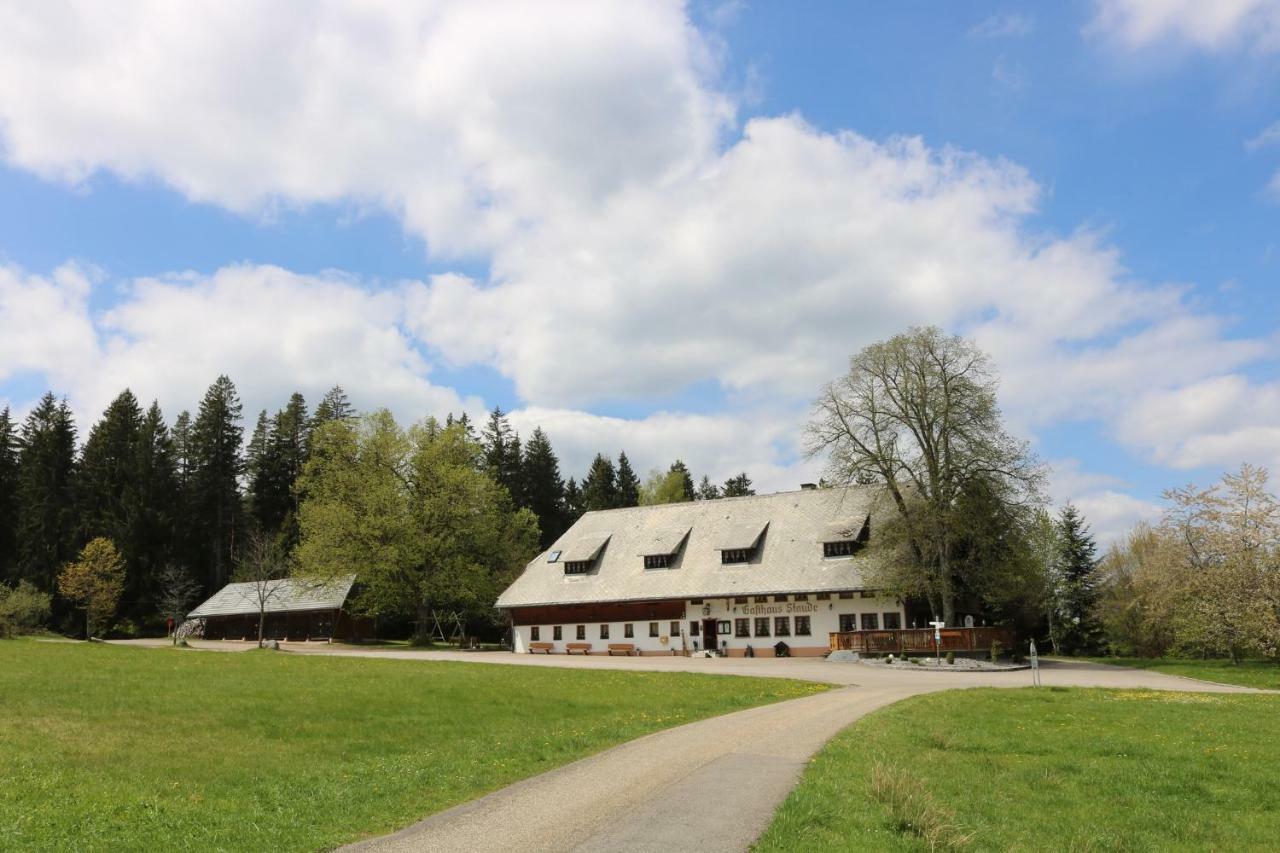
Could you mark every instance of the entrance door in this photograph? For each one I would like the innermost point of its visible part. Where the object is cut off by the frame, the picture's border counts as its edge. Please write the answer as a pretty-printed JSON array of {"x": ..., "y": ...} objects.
[{"x": 709, "y": 638}]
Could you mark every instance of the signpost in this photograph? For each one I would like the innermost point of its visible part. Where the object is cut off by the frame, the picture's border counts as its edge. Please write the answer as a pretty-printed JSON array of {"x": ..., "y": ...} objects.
[
  {"x": 1035, "y": 666},
  {"x": 937, "y": 640}
]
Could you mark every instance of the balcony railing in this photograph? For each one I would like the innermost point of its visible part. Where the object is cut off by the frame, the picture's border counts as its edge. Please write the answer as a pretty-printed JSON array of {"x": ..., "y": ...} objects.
[{"x": 920, "y": 640}]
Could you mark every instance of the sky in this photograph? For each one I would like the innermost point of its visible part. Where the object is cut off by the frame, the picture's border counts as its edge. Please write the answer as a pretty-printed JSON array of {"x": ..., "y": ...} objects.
[{"x": 655, "y": 226}]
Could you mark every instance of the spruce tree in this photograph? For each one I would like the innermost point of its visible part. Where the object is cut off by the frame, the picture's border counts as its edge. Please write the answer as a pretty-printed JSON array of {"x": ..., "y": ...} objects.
[
  {"x": 107, "y": 486},
  {"x": 255, "y": 466},
  {"x": 46, "y": 496},
  {"x": 8, "y": 497},
  {"x": 686, "y": 479},
  {"x": 501, "y": 447},
  {"x": 1081, "y": 630},
  {"x": 334, "y": 406},
  {"x": 707, "y": 490},
  {"x": 156, "y": 508},
  {"x": 600, "y": 486},
  {"x": 216, "y": 468},
  {"x": 544, "y": 491},
  {"x": 737, "y": 487},
  {"x": 573, "y": 503},
  {"x": 628, "y": 482},
  {"x": 285, "y": 455}
]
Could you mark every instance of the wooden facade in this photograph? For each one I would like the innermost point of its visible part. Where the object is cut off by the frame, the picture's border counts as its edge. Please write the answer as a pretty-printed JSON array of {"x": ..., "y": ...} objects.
[
  {"x": 620, "y": 611},
  {"x": 292, "y": 626}
]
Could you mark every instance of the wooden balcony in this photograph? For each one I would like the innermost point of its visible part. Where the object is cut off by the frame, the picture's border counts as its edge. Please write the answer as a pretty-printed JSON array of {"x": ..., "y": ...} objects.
[{"x": 920, "y": 640}]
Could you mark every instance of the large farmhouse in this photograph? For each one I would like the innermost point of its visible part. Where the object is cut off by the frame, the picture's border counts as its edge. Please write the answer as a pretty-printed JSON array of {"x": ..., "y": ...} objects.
[{"x": 739, "y": 575}]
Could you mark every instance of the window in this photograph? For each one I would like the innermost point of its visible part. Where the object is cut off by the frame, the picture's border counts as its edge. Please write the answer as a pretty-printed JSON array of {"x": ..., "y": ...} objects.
[
  {"x": 741, "y": 599},
  {"x": 582, "y": 632},
  {"x": 533, "y": 633},
  {"x": 695, "y": 601},
  {"x": 657, "y": 561},
  {"x": 553, "y": 556},
  {"x": 722, "y": 627},
  {"x": 580, "y": 567},
  {"x": 694, "y": 629},
  {"x": 782, "y": 626},
  {"x": 802, "y": 626},
  {"x": 824, "y": 596},
  {"x": 843, "y": 548},
  {"x": 867, "y": 593},
  {"x": 762, "y": 626},
  {"x": 604, "y": 632},
  {"x": 557, "y": 633},
  {"x": 761, "y": 599},
  {"x": 742, "y": 627},
  {"x": 653, "y": 629},
  {"x": 848, "y": 622},
  {"x": 870, "y": 622},
  {"x": 628, "y": 631},
  {"x": 737, "y": 555},
  {"x": 893, "y": 621},
  {"x": 675, "y": 629},
  {"x": 802, "y": 597},
  {"x": 780, "y": 599},
  {"x": 846, "y": 595}
]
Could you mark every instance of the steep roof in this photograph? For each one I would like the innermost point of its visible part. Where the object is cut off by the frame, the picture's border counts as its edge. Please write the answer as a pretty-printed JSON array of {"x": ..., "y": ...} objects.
[
  {"x": 788, "y": 527},
  {"x": 286, "y": 595}
]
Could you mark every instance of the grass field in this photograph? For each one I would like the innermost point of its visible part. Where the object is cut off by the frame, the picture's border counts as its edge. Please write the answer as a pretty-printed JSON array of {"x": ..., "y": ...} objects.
[
  {"x": 1046, "y": 769},
  {"x": 110, "y": 748},
  {"x": 1250, "y": 673}
]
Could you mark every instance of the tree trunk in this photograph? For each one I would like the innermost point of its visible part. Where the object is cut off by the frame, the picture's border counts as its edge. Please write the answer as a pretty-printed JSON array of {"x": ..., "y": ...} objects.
[
  {"x": 262, "y": 624},
  {"x": 424, "y": 623}
]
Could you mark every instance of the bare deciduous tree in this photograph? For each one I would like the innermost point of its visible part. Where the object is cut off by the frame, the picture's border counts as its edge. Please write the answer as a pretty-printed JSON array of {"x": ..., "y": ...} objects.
[
  {"x": 918, "y": 414},
  {"x": 261, "y": 565},
  {"x": 177, "y": 589}
]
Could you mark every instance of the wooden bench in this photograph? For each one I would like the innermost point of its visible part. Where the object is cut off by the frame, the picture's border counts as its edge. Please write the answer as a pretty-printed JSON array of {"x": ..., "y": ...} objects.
[
  {"x": 545, "y": 648},
  {"x": 570, "y": 648},
  {"x": 622, "y": 648}
]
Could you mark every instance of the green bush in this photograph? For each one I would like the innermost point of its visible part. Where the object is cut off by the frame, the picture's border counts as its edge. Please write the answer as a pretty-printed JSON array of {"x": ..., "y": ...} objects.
[
  {"x": 996, "y": 649},
  {"x": 951, "y": 658},
  {"x": 23, "y": 609}
]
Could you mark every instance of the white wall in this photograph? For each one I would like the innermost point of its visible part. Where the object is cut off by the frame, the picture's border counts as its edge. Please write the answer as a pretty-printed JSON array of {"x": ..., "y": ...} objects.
[{"x": 824, "y": 617}]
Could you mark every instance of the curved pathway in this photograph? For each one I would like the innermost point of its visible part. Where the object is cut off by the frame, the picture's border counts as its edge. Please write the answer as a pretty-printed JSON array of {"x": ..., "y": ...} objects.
[{"x": 707, "y": 786}]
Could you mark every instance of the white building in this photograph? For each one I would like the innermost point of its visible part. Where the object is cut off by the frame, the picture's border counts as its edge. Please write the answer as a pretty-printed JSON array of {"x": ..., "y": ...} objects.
[{"x": 733, "y": 574}]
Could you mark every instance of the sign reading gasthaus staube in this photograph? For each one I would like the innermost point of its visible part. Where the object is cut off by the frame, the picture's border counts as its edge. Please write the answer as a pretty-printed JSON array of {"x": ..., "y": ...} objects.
[{"x": 770, "y": 609}]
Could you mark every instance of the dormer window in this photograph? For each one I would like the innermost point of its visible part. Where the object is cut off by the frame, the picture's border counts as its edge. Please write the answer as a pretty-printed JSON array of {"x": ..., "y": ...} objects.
[
  {"x": 661, "y": 547},
  {"x": 579, "y": 556},
  {"x": 841, "y": 548},
  {"x": 739, "y": 542}
]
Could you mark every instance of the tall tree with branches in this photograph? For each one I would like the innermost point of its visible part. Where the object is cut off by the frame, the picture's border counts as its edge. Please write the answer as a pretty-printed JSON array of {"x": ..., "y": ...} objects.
[{"x": 917, "y": 413}]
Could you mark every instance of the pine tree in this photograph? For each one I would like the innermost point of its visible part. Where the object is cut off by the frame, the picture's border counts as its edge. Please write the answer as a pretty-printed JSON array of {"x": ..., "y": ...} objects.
[
  {"x": 686, "y": 479},
  {"x": 544, "y": 491},
  {"x": 707, "y": 490},
  {"x": 155, "y": 524},
  {"x": 600, "y": 486},
  {"x": 182, "y": 448},
  {"x": 574, "y": 506},
  {"x": 46, "y": 496},
  {"x": 284, "y": 457},
  {"x": 8, "y": 497},
  {"x": 1081, "y": 631},
  {"x": 255, "y": 466},
  {"x": 628, "y": 482},
  {"x": 334, "y": 406},
  {"x": 216, "y": 468},
  {"x": 739, "y": 486}
]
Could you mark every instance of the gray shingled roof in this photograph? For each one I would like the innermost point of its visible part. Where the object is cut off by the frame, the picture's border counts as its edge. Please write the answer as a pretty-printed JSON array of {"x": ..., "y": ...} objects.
[
  {"x": 287, "y": 595},
  {"x": 788, "y": 558},
  {"x": 662, "y": 542}
]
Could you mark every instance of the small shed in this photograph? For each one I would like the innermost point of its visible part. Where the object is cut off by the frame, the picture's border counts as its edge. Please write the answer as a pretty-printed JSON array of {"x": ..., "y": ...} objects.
[{"x": 296, "y": 609}]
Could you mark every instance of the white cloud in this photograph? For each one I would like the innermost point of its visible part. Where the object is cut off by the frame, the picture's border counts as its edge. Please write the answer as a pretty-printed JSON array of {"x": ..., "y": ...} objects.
[
  {"x": 466, "y": 119},
  {"x": 1269, "y": 135},
  {"x": 1007, "y": 25},
  {"x": 638, "y": 243},
  {"x": 1206, "y": 24},
  {"x": 272, "y": 331}
]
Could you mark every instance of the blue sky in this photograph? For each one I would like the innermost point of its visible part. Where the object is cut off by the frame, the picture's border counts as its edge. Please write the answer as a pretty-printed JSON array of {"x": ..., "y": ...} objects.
[{"x": 659, "y": 227}]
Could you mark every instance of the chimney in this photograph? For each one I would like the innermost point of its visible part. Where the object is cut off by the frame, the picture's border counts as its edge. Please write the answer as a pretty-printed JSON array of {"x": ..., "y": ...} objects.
[{"x": 807, "y": 486}]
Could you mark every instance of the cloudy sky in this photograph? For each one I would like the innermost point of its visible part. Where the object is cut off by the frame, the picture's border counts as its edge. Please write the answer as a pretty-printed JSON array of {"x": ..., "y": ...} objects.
[{"x": 655, "y": 226}]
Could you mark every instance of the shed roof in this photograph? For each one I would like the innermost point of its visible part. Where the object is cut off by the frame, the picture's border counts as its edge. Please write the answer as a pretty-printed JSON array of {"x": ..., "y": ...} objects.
[
  {"x": 789, "y": 529},
  {"x": 285, "y": 595},
  {"x": 583, "y": 549},
  {"x": 663, "y": 541}
]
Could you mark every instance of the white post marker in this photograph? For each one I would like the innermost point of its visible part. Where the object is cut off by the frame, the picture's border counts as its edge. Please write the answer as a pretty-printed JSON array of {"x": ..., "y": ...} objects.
[
  {"x": 938, "y": 625},
  {"x": 1035, "y": 666}
]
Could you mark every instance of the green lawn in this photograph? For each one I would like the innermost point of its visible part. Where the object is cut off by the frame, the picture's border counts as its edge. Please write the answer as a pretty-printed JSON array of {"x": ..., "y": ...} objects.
[
  {"x": 1250, "y": 673},
  {"x": 111, "y": 748},
  {"x": 1046, "y": 769}
]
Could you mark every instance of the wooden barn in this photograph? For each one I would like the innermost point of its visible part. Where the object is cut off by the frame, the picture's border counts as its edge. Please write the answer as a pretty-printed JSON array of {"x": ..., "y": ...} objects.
[{"x": 297, "y": 610}]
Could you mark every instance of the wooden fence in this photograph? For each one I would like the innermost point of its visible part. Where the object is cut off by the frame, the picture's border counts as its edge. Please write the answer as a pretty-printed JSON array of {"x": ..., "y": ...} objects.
[{"x": 921, "y": 640}]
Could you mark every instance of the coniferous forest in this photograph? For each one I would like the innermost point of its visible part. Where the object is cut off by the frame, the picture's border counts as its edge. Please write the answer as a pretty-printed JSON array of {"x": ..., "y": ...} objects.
[{"x": 182, "y": 498}]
